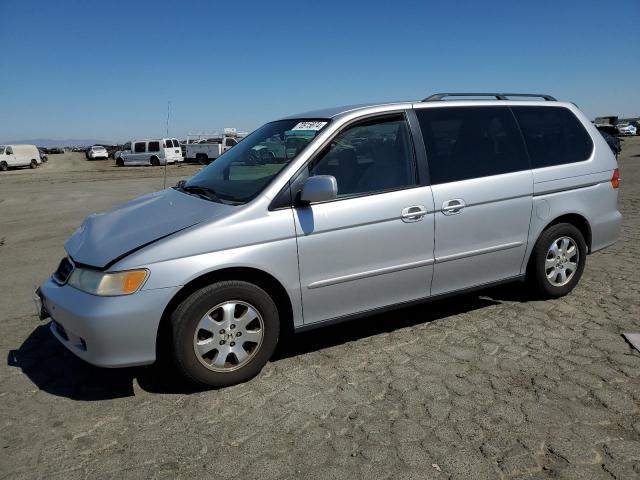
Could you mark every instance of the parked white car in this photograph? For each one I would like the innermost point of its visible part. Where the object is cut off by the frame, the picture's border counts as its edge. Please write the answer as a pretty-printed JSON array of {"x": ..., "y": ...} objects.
[
  {"x": 149, "y": 152},
  {"x": 97, "y": 151},
  {"x": 627, "y": 129},
  {"x": 19, "y": 156}
]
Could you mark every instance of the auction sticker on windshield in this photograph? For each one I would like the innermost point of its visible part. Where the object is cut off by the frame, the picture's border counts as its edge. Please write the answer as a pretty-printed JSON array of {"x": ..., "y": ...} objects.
[{"x": 309, "y": 126}]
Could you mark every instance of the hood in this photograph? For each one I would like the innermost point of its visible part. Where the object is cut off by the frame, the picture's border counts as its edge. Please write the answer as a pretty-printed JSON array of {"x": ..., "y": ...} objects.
[{"x": 105, "y": 237}]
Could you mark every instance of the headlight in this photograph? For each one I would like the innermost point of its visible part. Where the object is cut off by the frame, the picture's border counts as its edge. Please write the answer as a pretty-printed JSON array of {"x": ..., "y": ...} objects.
[{"x": 108, "y": 284}]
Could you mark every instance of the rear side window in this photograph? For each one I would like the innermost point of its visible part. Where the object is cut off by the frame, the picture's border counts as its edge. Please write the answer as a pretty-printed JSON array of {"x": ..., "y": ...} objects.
[
  {"x": 471, "y": 142},
  {"x": 140, "y": 147},
  {"x": 554, "y": 136},
  {"x": 154, "y": 146}
]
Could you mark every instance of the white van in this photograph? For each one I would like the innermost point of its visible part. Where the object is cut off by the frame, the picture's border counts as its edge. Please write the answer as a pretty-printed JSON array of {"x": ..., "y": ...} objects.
[
  {"x": 158, "y": 151},
  {"x": 19, "y": 156}
]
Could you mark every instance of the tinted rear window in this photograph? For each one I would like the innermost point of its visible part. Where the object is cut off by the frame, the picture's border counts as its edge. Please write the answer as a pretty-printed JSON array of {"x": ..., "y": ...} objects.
[
  {"x": 140, "y": 147},
  {"x": 154, "y": 146},
  {"x": 471, "y": 142},
  {"x": 554, "y": 136}
]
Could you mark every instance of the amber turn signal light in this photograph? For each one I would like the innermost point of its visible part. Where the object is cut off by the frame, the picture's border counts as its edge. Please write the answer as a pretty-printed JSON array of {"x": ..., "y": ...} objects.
[{"x": 133, "y": 280}]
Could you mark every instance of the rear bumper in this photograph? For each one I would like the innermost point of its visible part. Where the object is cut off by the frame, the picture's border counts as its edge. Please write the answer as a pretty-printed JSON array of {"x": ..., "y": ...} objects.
[
  {"x": 106, "y": 331},
  {"x": 605, "y": 230}
]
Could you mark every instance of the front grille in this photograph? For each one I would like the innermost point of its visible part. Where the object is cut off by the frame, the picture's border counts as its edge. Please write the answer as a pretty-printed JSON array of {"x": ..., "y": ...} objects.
[{"x": 64, "y": 271}]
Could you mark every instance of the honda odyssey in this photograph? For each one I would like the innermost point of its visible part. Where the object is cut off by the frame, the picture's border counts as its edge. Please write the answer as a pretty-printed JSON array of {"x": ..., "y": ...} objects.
[{"x": 376, "y": 207}]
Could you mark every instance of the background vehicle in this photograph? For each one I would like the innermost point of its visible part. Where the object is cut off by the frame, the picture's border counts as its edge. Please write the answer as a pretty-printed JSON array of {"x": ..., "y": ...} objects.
[
  {"x": 626, "y": 129},
  {"x": 43, "y": 155},
  {"x": 149, "y": 152},
  {"x": 55, "y": 150},
  {"x": 97, "y": 151},
  {"x": 19, "y": 156},
  {"x": 205, "y": 148}
]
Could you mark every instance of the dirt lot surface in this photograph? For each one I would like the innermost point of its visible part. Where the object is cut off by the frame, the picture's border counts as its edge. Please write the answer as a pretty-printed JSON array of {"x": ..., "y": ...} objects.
[{"x": 488, "y": 385}]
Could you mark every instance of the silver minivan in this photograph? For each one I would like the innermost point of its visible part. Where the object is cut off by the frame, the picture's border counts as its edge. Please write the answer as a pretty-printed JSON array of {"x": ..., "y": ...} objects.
[{"x": 356, "y": 210}]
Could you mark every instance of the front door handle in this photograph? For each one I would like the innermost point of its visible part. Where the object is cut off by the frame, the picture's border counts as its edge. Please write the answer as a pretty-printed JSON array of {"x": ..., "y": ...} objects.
[
  {"x": 414, "y": 213},
  {"x": 453, "y": 207}
]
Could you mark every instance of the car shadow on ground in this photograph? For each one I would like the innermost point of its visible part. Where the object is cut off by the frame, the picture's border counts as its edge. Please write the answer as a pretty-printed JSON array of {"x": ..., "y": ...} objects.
[{"x": 55, "y": 370}]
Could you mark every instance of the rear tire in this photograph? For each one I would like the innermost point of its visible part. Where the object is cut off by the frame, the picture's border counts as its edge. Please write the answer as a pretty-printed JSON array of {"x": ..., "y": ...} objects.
[
  {"x": 33, "y": 164},
  {"x": 4, "y": 167},
  {"x": 557, "y": 260},
  {"x": 206, "y": 346},
  {"x": 202, "y": 159}
]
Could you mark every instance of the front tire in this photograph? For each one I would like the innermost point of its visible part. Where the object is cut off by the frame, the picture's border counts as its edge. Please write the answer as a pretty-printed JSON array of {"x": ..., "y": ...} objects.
[
  {"x": 223, "y": 334},
  {"x": 120, "y": 162},
  {"x": 154, "y": 161},
  {"x": 4, "y": 167},
  {"x": 558, "y": 260}
]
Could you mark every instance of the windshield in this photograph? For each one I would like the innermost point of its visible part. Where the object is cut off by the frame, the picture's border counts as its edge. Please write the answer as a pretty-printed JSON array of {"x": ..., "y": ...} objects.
[{"x": 244, "y": 171}]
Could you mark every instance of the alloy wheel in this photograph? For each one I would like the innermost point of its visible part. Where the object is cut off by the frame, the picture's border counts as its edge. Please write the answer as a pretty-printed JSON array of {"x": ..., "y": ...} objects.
[
  {"x": 562, "y": 261},
  {"x": 228, "y": 336}
]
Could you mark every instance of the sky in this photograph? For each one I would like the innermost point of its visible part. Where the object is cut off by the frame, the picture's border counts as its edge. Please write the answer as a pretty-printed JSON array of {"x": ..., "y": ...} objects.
[{"x": 106, "y": 69}]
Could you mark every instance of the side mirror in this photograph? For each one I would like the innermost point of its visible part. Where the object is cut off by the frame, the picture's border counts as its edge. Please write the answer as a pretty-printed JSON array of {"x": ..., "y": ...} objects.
[{"x": 320, "y": 188}]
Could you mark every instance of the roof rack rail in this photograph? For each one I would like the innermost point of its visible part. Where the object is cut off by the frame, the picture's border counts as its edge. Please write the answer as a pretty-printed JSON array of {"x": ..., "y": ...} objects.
[{"x": 499, "y": 96}]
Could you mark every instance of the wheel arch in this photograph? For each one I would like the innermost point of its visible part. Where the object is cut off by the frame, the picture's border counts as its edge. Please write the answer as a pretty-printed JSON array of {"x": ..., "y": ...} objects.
[
  {"x": 577, "y": 220},
  {"x": 252, "y": 275}
]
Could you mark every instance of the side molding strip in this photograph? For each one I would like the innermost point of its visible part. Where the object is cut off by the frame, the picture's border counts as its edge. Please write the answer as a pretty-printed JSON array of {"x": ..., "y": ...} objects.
[
  {"x": 369, "y": 273},
  {"x": 480, "y": 251}
]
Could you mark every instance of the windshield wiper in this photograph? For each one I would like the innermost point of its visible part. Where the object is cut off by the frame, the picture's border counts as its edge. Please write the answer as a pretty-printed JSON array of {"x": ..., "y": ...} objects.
[{"x": 203, "y": 192}]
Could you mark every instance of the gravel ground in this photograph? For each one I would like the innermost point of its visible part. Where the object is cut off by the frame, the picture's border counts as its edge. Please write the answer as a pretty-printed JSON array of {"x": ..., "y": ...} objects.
[{"x": 489, "y": 385}]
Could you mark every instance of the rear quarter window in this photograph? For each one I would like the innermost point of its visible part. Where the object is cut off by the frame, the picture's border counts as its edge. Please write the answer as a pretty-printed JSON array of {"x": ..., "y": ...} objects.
[
  {"x": 154, "y": 146},
  {"x": 553, "y": 136}
]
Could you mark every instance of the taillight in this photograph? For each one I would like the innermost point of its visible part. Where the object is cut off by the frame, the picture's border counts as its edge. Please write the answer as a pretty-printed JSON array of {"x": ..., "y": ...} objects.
[{"x": 615, "y": 180}]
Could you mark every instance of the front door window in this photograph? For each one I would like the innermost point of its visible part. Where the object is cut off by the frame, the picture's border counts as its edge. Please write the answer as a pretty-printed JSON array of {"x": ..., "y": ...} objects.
[{"x": 369, "y": 157}]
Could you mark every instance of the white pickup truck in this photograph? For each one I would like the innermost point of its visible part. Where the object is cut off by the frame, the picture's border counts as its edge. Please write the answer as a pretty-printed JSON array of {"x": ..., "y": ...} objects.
[{"x": 205, "y": 148}]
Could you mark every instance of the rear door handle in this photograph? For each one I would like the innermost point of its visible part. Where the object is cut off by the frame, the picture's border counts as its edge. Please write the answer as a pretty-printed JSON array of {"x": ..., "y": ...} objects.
[
  {"x": 414, "y": 213},
  {"x": 453, "y": 207}
]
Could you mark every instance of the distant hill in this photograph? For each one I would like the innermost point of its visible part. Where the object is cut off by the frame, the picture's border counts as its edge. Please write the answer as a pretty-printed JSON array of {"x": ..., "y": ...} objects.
[{"x": 69, "y": 142}]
